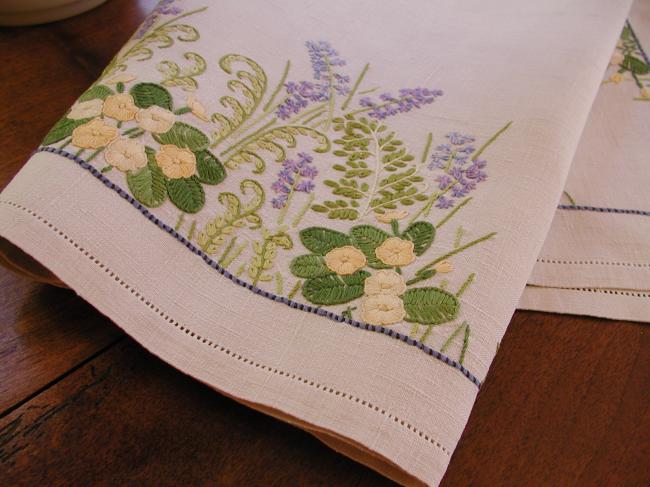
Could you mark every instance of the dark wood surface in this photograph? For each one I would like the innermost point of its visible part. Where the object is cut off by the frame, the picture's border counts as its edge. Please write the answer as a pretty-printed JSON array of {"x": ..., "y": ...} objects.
[{"x": 566, "y": 401}]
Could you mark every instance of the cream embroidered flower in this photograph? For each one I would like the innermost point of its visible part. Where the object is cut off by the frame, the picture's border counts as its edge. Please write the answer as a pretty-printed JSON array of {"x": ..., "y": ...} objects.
[
  {"x": 389, "y": 216},
  {"x": 396, "y": 252},
  {"x": 119, "y": 78},
  {"x": 444, "y": 267},
  {"x": 345, "y": 260},
  {"x": 93, "y": 134},
  {"x": 616, "y": 78},
  {"x": 384, "y": 281},
  {"x": 617, "y": 58},
  {"x": 176, "y": 162},
  {"x": 382, "y": 309},
  {"x": 126, "y": 154},
  {"x": 155, "y": 119},
  {"x": 120, "y": 107},
  {"x": 198, "y": 110},
  {"x": 86, "y": 109}
]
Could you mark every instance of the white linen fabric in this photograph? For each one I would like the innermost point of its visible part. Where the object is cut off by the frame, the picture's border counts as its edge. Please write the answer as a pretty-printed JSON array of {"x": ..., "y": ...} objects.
[
  {"x": 327, "y": 210},
  {"x": 596, "y": 257}
]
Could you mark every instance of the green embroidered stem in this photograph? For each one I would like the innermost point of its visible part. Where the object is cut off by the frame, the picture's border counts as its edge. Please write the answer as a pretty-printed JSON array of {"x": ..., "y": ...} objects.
[
  {"x": 303, "y": 210},
  {"x": 79, "y": 152},
  {"x": 466, "y": 284},
  {"x": 265, "y": 254},
  {"x": 234, "y": 255},
  {"x": 241, "y": 269},
  {"x": 355, "y": 87},
  {"x": 459, "y": 236},
  {"x": 465, "y": 345},
  {"x": 294, "y": 289},
  {"x": 314, "y": 117},
  {"x": 424, "y": 211},
  {"x": 227, "y": 250},
  {"x": 285, "y": 208},
  {"x": 453, "y": 212},
  {"x": 297, "y": 118},
  {"x": 427, "y": 148},
  {"x": 139, "y": 49},
  {"x": 490, "y": 141},
  {"x": 94, "y": 154},
  {"x": 65, "y": 143},
  {"x": 283, "y": 78},
  {"x": 426, "y": 333},
  {"x": 422, "y": 275},
  {"x": 443, "y": 284},
  {"x": 394, "y": 225},
  {"x": 106, "y": 169},
  {"x": 179, "y": 222},
  {"x": 136, "y": 133},
  {"x": 365, "y": 92},
  {"x": 131, "y": 130},
  {"x": 250, "y": 138},
  {"x": 568, "y": 196},
  {"x": 451, "y": 337},
  {"x": 279, "y": 283},
  {"x": 255, "y": 121},
  {"x": 414, "y": 329},
  {"x": 330, "y": 101},
  {"x": 190, "y": 235},
  {"x": 182, "y": 110}
]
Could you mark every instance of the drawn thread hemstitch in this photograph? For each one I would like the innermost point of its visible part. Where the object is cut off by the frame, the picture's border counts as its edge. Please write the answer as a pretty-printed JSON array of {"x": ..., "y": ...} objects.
[{"x": 281, "y": 299}]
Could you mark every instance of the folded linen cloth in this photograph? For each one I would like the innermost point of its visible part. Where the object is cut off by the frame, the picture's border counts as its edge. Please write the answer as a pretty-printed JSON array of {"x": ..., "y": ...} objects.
[
  {"x": 327, "y": 212},
  {"x": 596, "y": 257}
]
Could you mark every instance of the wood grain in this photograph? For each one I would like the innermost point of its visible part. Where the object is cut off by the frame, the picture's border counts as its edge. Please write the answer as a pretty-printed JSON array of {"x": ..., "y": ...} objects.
[{"x": 566, "y": 401}]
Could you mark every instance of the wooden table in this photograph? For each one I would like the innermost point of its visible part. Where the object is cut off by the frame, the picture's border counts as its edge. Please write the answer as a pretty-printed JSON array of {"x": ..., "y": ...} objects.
[{"x": 566, "y": 401}]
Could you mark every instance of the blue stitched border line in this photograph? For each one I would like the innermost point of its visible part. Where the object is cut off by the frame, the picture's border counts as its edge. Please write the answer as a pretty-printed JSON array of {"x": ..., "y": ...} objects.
[
  {"x": 604, "y": 210},
  {"x": 274, "y": 297},
  {"x": 636, "y": 39}
]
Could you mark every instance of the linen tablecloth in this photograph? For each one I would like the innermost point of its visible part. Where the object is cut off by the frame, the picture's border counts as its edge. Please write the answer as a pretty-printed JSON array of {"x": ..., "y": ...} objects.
[{"x": 325, "y": 210}]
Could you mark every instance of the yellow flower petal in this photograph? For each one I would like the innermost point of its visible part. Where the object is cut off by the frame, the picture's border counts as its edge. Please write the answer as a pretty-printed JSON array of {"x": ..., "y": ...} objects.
[
  {"x": 396, "y": 252},
  {"x": 345, "y": 260},
  {"x": 176, "y": 162}
]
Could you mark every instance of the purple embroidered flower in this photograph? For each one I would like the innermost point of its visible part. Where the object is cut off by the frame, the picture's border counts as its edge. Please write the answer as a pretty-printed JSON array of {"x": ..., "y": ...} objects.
[
  {"x": 460, "y": 172},
  {"x": 408, "y": 99},
  {"x": 324, "y": 60},
  {"x": 295, "y": 175},
  {"x": 164, "y": 7}
]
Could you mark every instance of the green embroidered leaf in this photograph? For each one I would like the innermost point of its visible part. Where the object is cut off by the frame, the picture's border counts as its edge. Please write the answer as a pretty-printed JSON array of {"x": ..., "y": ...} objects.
[
  {"x": 321, "y": 240},
  {"x": 148, "y": 184},
  {"x": 309, "y": 266},
  {"x": 210, "y": 170},
  {"x": 148, "y": 94},
  {"x": 334, "y": 289},
  {"x": 184, "y": 135},
  {"x": 430, "y": 305},
  {"x": 187, "y": 194},
  {"x": 96, "y": 92},
  {"x": 367, "y": 238},
  {"x": 421, "y": 234},
  {"x": 635, "y": 65},
  {"x": 62, "y": 129}
]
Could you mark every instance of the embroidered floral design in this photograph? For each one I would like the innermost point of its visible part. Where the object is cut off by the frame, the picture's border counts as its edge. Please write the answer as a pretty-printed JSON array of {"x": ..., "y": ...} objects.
[
  {"x": 120, "y": 107},
  {"x": 345, "y": 260},
  {"x": 382, "y": 309},
  {"x": 155, "y": 119},
  {"x": 395, "y": 251},
  {"x": 384, "y": 281},
  {"x": 86, "y": 109},
  {"x": 324, "y": 153},
  {"x": 176, "y": 162},
  {"x": 93, "y": 135},
  {"x": 630, "y": 63},
  {"x": 126, "y": 155}
]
